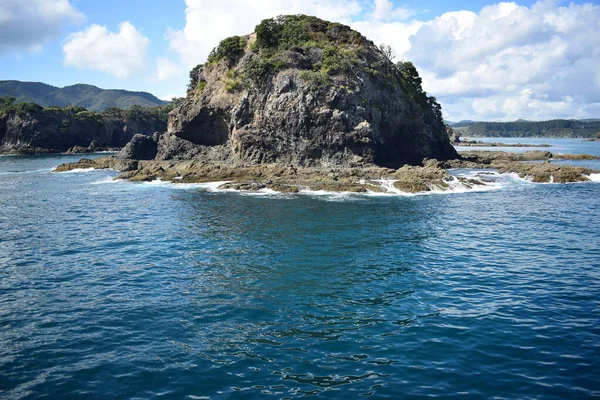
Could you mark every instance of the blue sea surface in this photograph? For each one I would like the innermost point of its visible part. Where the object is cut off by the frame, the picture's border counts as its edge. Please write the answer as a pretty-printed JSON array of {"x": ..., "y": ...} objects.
[
  {"x": 112, "y": 289},
  {"x": 558, "y": 146}
]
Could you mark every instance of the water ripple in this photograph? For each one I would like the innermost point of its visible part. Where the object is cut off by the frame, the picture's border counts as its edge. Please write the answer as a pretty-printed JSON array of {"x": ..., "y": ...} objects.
[{"x": 117, "y": 291}]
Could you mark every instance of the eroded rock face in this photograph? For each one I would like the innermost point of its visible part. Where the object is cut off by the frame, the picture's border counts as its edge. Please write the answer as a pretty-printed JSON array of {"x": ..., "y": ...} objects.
[
  {"x": 328, "y": 98},
  {"x": 54, "y": 129},
  {"x": 141, "y": 147}
]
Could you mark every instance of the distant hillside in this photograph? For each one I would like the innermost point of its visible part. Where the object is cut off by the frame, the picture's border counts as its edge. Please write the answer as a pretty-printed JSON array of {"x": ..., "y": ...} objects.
[
  {"x": 460, "y": 124},
  {"x": 522, "y": 128},
  {"x": 80, "y": 95}
]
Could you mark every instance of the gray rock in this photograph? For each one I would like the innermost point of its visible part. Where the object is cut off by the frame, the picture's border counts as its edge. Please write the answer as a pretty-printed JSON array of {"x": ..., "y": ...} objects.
[
  {"x": 140, "y": 147},
  {"x": 60, "y": 129},
  {"x": 310, "y": 112}
]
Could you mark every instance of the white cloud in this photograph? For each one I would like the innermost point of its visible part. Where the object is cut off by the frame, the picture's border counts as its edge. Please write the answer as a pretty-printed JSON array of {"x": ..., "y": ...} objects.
[
  {"x": 512, "y": 61},
  {"x": 165, "y": 69},
  {"x": 504, "y": 61},
  {"x": 169, "y": 97},
  {"x": 119, "y": 54},
  {"x": 208, "y": 22},
  {"x": 26, "y": 25},
  {"x": 386, "y": 11},
  {"x": 395, "y": 34}
]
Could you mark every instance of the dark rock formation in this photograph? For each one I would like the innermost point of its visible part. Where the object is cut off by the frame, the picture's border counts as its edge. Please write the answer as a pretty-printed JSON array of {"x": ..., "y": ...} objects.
[
  {"x": 306, "y": 92},
  {"x": 141, "y": 147},
  {"x": 92, "y": 148},
  {"x": 27, "y": 127}
]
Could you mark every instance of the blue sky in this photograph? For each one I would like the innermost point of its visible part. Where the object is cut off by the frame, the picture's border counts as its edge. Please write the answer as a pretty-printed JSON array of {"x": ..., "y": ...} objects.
[{"x": 482, "y": 59}]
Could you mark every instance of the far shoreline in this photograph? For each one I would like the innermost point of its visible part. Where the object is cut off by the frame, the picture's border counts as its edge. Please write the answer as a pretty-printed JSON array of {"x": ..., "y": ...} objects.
[{"x": 467, "y": 142}]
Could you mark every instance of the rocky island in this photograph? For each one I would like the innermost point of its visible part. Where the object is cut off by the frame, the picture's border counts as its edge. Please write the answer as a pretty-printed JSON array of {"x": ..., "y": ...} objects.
[{"x": 300, "y": 103}]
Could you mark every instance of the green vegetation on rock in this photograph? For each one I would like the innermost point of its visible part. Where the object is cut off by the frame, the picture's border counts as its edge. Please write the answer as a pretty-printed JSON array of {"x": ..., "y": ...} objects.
[
  {"x": 229, "y": 49},
  {"x": 411, "y": 82},
  {"x": 288, "y": 31},
  {"x": 200, "y": 86},
  {"x": 332, "y": 47},
  {"x": 317, "y": 79},
  {"x": 27, "y": 126},
  {"x": 258, "y": 70}
]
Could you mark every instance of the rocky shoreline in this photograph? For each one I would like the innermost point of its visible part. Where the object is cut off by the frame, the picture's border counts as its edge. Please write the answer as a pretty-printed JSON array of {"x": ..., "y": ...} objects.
[
  {"x": 32, "y": 151},
  {"x": 433, "y": 175},
  {"x": 532, "y": 165}
]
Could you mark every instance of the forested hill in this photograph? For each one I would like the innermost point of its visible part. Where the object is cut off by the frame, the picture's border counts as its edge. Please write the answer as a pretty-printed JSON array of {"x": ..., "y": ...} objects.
[
  {"x": 553, "y": 128},
  {"x": 31, "y": 128},
  {"x": 87, "y": 96}
]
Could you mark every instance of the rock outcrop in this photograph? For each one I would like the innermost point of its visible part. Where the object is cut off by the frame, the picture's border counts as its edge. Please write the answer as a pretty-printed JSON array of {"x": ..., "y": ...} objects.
[
  {"x": 282, "y": 178},
  {"x": 30, "y": 128},
  {"x": 141, "y": 147},
  {"x": 527, "y": 165},
  {"x": 305, "y": 92}
]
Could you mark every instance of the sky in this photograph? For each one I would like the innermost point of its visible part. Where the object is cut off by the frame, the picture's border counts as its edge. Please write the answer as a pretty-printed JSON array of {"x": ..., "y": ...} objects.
[{"x": 482, "y": 60}]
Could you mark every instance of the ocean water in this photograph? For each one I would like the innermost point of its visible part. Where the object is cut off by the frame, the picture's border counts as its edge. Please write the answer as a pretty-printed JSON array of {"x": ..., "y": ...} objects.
[
  {"x": 150, "y": 291},
  {"x": 559, "y": 146}
]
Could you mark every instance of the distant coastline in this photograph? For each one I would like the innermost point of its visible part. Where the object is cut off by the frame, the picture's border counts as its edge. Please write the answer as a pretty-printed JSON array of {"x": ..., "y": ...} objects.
[
  {"x": 477, "y": 143},
  {"x": 557, "y": 128}
]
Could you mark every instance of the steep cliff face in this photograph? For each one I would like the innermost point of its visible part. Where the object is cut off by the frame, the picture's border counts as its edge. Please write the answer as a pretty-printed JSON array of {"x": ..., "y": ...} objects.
[
  {"x": 308, "y": 92},
  {"x": 29, "y": 127}
]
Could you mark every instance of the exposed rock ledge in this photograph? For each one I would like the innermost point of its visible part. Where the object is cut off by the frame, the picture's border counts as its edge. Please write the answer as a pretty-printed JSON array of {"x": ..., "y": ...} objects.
[
  {"x": 520, "y": 163},
  {"x": 277, "y": 177},
  {"x": 290, "y": 179}
]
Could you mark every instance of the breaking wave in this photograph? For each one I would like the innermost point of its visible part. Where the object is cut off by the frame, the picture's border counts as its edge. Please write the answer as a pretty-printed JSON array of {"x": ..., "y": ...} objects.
[
  {"x": 76, "y": 170},
  {"x": 461, "y": 181},
  {"x": 594, "y": 177}
]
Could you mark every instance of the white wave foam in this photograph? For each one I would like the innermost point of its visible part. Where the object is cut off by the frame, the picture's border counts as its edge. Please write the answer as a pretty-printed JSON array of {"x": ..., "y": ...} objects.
[
  {"x": 594, "y": 177},
  {"x": 108, "y": 180},
  {"x": 76, "y": 170},
  {"x": 461, "y": 181},
  {"x": 330, "y": 195},
  {"x": 158, "y": 182},
  {"x": 265, "y": 193},
  {"x": 262, "y": 192},
  {"x": 207, "y": 186},
  {"x": 457, "y": 184}
]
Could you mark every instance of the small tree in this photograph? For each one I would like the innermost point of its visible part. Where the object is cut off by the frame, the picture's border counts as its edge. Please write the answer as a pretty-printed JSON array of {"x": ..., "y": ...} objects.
[
  {"x": 268, "y": 33},
  {"x": 176, "y": 101},
  {"x": 195, "y": 76},
  {"x": 6, "y": 104},
  {"x": 388, "y": 51}
]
